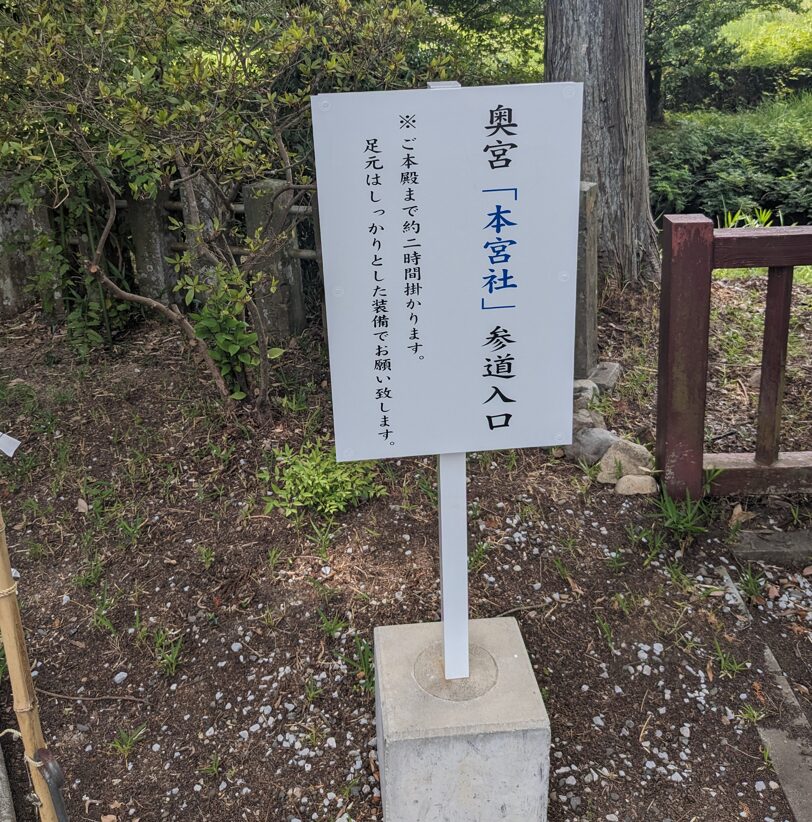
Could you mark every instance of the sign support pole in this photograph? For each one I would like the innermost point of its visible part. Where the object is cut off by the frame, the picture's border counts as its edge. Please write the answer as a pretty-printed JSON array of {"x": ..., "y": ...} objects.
[{"x": 453, "y": 509}]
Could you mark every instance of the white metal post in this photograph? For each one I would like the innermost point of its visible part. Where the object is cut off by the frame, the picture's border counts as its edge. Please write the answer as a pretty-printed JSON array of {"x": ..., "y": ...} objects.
[{"x": 453, "y": 506}]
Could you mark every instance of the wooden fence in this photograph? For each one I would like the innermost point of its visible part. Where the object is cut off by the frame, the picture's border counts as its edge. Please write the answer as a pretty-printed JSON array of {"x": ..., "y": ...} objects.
[{"x": 692, "y": 249}]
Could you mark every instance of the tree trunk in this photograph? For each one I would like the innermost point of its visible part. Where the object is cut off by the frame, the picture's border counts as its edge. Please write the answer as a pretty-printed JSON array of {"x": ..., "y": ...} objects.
[
  {"x": 655, "y": 105},
  {"x": 600, "y": 43}
]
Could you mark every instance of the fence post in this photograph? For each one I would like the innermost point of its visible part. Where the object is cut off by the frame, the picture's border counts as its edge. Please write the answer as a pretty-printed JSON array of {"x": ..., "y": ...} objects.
[
  {"x": 19, "y": 264},
  {"x": 773, "y": 363},
  {"x": 151, "y": 245},
  {"x": 266, "y": 209},
  {"x": 586, "y": 301},
  {"x": 683, "y": 356}
]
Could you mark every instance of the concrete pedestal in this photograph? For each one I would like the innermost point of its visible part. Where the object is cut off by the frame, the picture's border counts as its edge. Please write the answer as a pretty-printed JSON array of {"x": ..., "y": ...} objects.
[{"x": 469, "y": 750}]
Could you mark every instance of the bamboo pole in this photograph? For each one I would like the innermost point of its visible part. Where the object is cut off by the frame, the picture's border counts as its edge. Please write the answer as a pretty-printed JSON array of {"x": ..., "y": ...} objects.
[{"x": 22, "y": 685}]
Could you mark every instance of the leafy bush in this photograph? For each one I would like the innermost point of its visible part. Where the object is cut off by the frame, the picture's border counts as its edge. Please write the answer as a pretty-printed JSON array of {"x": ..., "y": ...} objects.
[
  {"x": 104, "y": 101},
  {"x": 312, "y": 480},
  {"x": 773, "y": 37},
  {"x": 733, "y": 88},
  {"x": 766, "y": 51},
  {"x": 712, "y": 163}
]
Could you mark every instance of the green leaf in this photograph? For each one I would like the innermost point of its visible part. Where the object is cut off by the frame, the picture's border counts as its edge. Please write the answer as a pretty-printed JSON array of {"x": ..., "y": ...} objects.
[{"x": 275, "y": 353}]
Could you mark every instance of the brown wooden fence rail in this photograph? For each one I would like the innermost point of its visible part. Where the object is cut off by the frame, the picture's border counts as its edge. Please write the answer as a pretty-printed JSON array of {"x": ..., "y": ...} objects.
[{"x": 691, "y": 250}]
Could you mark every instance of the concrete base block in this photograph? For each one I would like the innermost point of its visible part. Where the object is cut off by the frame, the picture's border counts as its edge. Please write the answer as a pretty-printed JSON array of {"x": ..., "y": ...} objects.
[{"x": 475, "y": 749}]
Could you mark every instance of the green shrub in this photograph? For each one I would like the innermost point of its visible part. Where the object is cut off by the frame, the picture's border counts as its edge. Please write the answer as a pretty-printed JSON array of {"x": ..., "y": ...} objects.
[
  {"x": 312, "y": 480},
  {"x": 712, "y": 163},
  {"x": 773, "y": 37}
]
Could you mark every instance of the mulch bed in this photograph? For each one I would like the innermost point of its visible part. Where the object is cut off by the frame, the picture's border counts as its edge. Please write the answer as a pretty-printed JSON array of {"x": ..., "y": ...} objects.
[{"x": 136, "y": 519}]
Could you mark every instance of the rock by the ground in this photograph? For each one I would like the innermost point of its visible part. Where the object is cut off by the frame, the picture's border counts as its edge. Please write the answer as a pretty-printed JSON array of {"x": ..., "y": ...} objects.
[
  {"x": 584, "y": 418},
  {"x": 622, "y": 459},
  {"x": 636, "y": 484},
  {"x": 605, "y": 375},
  {"x": 590, "y": 444},
  {"x": 583, "y": 392}
]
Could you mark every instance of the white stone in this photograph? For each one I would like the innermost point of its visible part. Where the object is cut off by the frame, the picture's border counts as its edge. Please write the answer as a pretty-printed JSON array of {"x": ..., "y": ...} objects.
[
  {"x": 624, "y": 458},
  {"x": 584, "y": 391},
  {"x": 120, "y": 677},
  {"x": 584, "y": 418},
  {"x": 632, "y": 484},
  {"x": 476, "y": 749},
  {"x": 589, "y": 445},
  {"x": 605, "y": 375}
]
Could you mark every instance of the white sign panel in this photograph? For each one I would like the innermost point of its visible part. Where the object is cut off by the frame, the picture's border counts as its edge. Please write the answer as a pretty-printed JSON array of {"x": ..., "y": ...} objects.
[{"x": 449, "y": 222}]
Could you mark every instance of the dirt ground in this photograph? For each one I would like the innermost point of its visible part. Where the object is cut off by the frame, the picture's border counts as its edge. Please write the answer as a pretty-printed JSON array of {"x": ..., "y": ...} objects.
[{"x": 201, "y": 657}]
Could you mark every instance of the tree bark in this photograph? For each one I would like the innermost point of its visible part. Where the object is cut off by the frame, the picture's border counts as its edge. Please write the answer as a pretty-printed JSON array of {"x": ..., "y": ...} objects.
[{"x": 600, "y": 43}]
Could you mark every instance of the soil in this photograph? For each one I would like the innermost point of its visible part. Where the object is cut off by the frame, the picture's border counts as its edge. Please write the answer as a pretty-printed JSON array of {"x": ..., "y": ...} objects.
[{"x": 135, "y": 516}]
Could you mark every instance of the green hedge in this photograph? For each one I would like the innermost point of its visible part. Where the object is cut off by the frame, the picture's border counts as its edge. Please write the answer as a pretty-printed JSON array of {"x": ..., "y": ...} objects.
[
  {"x": 711, "y": 162},
  {"x": 732, "y": 88}
]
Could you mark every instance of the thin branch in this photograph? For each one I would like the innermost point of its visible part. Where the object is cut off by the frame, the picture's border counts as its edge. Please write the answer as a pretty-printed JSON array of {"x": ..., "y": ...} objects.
[{"x": 172, "y": 314}]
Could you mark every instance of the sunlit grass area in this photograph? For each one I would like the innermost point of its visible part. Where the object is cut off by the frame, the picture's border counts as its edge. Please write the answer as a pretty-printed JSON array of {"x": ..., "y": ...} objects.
[
  {"x": 803, "y": 274},
  {"x": 774, "y": 37}
]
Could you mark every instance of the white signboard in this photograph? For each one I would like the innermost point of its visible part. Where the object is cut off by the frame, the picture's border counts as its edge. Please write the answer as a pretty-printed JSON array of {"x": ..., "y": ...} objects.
[{"x": 449, "y": 222}]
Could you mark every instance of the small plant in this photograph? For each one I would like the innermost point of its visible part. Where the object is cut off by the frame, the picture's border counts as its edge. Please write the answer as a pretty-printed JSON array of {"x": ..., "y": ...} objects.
[
  {"x": 205, "y": 554},
  {"x": 36, "y": 550},
  {"x": 561, "y": 569},
  {"x": 91, "y": 574},
  {"x": 212, "y": 767},
  {"x": 683, "y": 519},
  {"x": 294, "y": 403},
  {"x": 271, "y": 618},
  {"x": 131, "y": 529},
  {"x": 321, "y": 536},
  {"x": 687, "y": 643},
  {"x": 362, "y": 665},
  {"x": 591, "y": 471},
  {"x": 622, "y": 603},
  {"x": 139, "y": 629},
  {"x": 428, "y": 488},
  {"x": 479, "y": 556},
  {"x": 100, "y": 620},
  {"x": 709, "y": 476},
  {"x": 274, "y": 558},
  {"x": 312, "y": 480},
  {"x": 312, "y": 690},
  {"x": 728, "y": 666},
  {"x": 678, "y": 576},
  {"x": 332, "y": 626},
  {"x": 749, "y": 713},
  {"x": 656, "y": 543},
  {"x": 323, "y": 591},
  {"x": 605, "y": 631},
  {"x": 795, "y": 515},
  {"x": 167, "y": 651},
  {"x": 616, "y": 562},
  {"x": 751, "y": 583},
  {"x": 767, "y": 757},
  {"x": 125, "y": 741}
]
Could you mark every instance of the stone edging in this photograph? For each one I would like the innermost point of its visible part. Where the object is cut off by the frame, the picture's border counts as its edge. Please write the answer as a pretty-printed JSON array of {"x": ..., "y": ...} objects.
[{"x": 790, "y": 753}]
